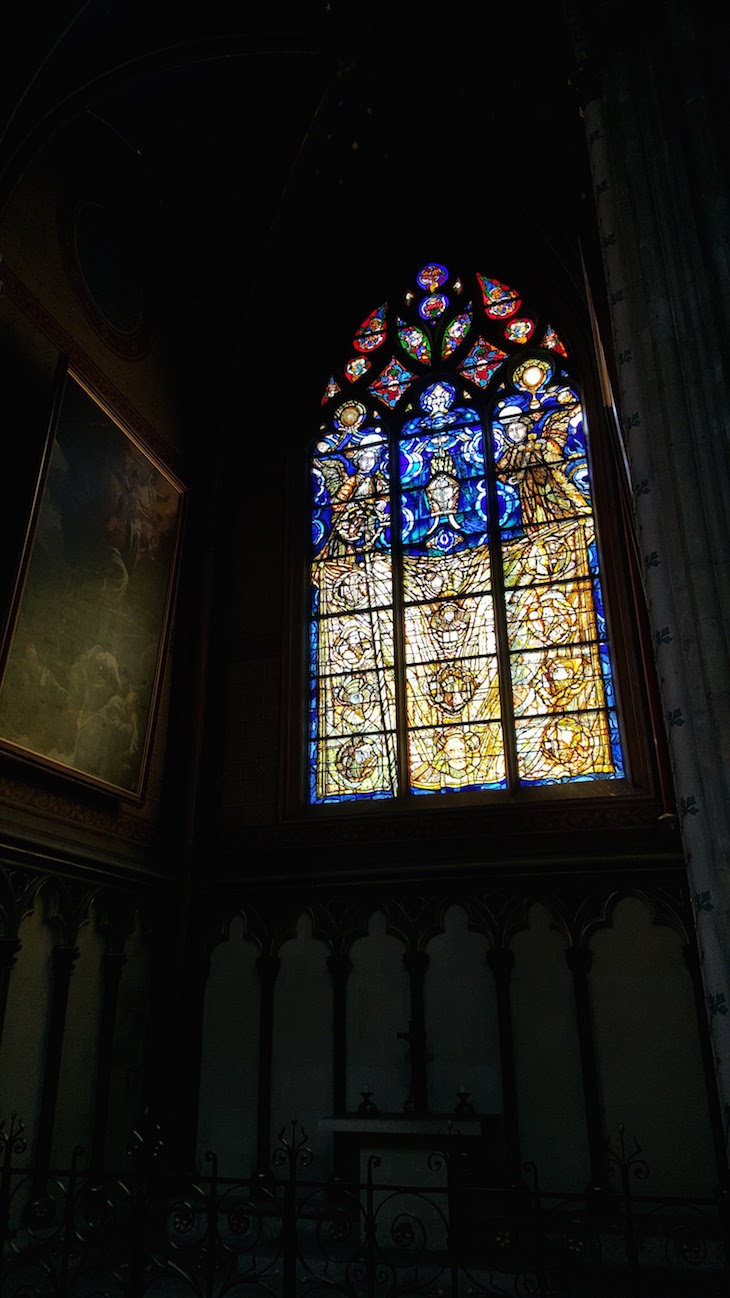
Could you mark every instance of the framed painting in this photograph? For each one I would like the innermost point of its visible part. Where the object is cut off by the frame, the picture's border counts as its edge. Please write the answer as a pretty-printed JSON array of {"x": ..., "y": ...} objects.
[{"x": 88, "y": 633}]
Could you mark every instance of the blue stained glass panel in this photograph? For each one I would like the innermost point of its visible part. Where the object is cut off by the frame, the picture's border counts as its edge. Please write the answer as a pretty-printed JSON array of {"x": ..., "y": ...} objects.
[
  {"x": 607, "y": 675},
  {"x": 615, "y": 740},
  {"x": 600, "y": 615},
  {"x": 344, "y": 441},
  {"x": 320, "y": 528},
  {"x": 432, "y": 276},
  {"x": 443, "y": 536},
  {"x": 593, "y": 557},
  {"x": 418, "y": 455},
  {"x": 471, "y": 503},
  {"x": 509, "y": 508},
  {"x": 432, "y": 307}
]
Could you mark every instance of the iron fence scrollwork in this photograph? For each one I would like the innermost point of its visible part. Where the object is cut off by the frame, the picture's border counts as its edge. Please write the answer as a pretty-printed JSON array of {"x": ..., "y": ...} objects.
[{"x": 150, "y": 1233}]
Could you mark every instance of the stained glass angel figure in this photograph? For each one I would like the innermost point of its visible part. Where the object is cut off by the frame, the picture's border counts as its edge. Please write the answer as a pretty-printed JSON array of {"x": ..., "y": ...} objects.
[
  {"x": 533, "y": 460},
  {"x": 359, "y": 500}
]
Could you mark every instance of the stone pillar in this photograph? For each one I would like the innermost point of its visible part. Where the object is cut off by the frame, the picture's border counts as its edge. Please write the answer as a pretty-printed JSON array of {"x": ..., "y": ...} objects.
[
  {"x": 112, "y": 965},
  {"x": 64, "y": 959},
  {"x": 9, "y": 948},
  {"x": 268, "y": 967},
  {"x": 661, "y": 191},
  {"x": 501, "y": 962},
  {"x": 579, "y": 963},
  {"x": 339, "y": 966},
  {"x": 416, "y": 962}
]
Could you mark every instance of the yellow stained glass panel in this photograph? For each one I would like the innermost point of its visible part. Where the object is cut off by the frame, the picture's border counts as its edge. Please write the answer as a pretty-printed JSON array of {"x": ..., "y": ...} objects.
[
  {"x": 455, "y": 757},
  {"x": 564, "y": 746}
]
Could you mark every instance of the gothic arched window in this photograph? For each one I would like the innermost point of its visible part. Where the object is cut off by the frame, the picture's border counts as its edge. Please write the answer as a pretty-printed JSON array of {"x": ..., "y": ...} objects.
[{"x": 457, "y": 635}]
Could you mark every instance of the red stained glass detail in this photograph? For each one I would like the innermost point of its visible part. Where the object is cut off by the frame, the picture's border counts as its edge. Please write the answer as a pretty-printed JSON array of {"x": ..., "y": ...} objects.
[
  {"x": 391, "y": 385},
  {"x": 518, "y": 331},
  {"x": 330, "y": 391},
  {"x": 500, "y": 301},
  {"x": 482, "y": 362},
  {"x": 552, "y": 341},
  {"x": 456, "y": 332},
  {"x": 355, "y": 368},
  {"x": 372, "y": 331}
]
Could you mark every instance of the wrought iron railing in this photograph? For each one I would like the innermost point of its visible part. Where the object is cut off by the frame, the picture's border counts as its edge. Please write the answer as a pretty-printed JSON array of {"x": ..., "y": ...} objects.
[{"x": 74, "y": 1234}]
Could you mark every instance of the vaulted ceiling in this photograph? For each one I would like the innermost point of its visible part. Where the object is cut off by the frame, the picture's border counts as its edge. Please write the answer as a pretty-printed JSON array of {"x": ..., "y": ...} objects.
[{"x": 297, "y": 153}]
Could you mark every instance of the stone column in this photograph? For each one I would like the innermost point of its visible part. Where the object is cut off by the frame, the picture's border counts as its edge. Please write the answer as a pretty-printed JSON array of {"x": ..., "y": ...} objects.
[
  {"x": 662, "y": 197},
  {"x": 416, "y": 962},
  {"x": 268, "y": 967},
  {"x": 501, "y": 962},
  {"x": 339, "y": 966},
  {"x": 64, "y": 959},
  {"x": 9, "y": 948},
  {"x": 579, "y": 963},
  {"x": 112, "y": 965}
]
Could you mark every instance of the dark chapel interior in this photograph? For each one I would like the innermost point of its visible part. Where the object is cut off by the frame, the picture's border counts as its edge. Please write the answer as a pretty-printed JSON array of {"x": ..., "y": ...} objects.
[{"x": 199, "y": 206}]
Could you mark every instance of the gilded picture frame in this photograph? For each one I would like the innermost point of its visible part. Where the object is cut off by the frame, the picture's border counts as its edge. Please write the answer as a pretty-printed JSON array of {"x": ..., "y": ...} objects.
[{"x": 87, "y": 636}]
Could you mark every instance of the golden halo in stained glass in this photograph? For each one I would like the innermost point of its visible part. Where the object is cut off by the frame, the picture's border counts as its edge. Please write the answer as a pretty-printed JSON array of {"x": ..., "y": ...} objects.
[
  {"x": 532, "y": 373},
  {"x": 349, "y": 416}
]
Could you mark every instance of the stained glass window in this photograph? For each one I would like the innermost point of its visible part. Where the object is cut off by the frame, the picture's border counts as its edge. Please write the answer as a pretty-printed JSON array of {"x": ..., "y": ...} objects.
[
  {"x": 414, "y": 341},
  {"x": 458, "y": 638},
  {"x": 355, "y": 368},
  {"x": 331, "y": 390},
  {"x": 391, "y": 385},
  {"x": 456, "y": 332},
  {"x": 482, "y": 363},
  {"x": 371, "y": 333},
  {"x": 518, "y": 331},
  {"x": 499, "y": 300},
  {"x": 552, "y": 341}
]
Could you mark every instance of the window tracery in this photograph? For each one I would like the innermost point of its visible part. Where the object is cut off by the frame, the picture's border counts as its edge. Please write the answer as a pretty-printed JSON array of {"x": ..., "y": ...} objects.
[{"x": 458, "y": 639}]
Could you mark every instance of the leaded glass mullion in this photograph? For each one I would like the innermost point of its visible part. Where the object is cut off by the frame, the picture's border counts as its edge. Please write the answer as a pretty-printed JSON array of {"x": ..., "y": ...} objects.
[
  {"x": 396, "y": 547},
  {"x": 500, "y": 611}
]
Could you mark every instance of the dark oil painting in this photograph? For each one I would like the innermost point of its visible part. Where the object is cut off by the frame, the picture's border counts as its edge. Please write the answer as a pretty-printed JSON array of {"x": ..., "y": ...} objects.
[{"x": 83, "y": 670}]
